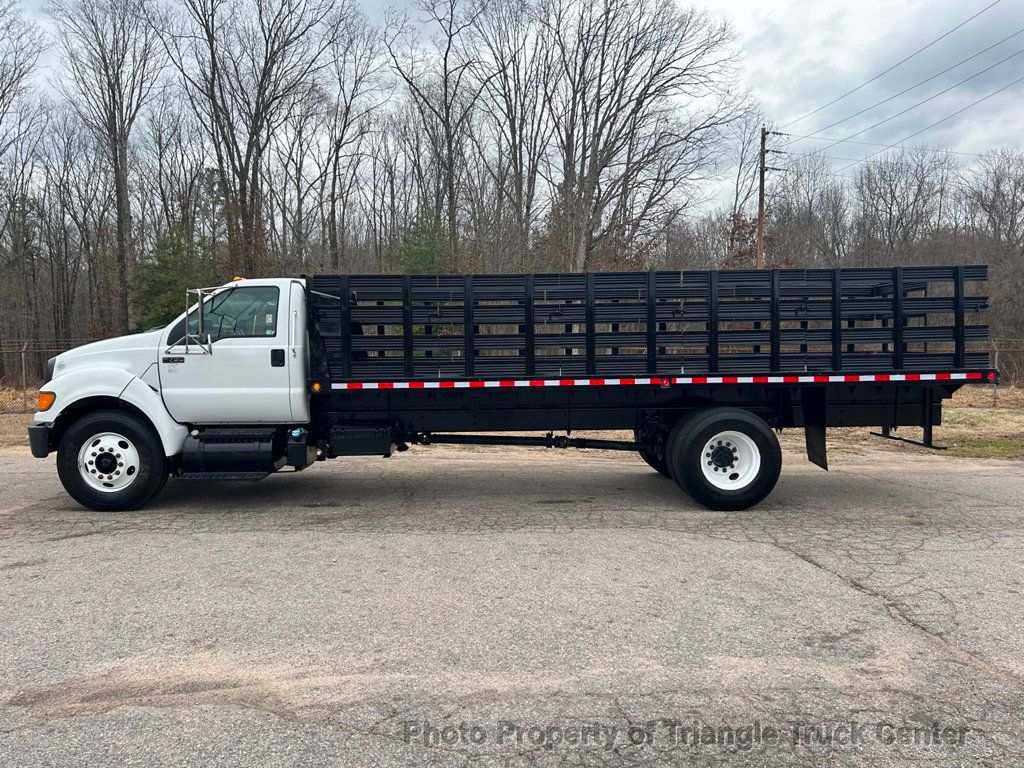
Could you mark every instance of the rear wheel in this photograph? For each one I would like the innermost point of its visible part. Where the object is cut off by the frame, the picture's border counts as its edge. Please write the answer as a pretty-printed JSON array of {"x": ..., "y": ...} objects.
[
  {"x": 111, "y": 461},
  {"x": 726, "y": 458}
]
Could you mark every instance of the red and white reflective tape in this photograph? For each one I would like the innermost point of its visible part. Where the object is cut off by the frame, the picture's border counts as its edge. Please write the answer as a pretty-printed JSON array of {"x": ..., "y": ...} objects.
[{"x": 667, "y": 381}]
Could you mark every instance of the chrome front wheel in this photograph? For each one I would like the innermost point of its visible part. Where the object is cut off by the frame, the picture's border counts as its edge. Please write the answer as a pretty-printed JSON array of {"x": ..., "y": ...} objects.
[{"x": 109, "y": 462}]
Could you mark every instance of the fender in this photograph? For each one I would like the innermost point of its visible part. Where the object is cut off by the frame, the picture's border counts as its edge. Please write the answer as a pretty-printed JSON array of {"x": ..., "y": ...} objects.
[{"x": 81, "y": 383}]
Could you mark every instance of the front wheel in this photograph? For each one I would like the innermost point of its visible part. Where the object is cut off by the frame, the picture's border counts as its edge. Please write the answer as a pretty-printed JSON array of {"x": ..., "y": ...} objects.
[
  {"x": 111, "y": 461},
  {"x": 725, "y": 458}
]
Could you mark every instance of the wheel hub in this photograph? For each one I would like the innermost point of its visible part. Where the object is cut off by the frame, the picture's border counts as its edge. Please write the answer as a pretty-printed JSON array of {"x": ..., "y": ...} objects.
[
  {"x": 109, "y": 462},
  {"x": 730, "y": 460},
  {"x": 106, "y": 463},
  {"x": 723, "y": 456}
]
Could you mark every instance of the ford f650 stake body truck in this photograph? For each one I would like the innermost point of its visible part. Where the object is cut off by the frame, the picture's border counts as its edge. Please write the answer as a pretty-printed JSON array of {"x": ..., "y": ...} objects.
[{"x": 701, "y": 367}]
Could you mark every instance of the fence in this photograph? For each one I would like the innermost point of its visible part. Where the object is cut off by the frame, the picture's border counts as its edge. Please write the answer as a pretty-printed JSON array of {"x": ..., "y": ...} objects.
[{"x": 24, "y": 371}]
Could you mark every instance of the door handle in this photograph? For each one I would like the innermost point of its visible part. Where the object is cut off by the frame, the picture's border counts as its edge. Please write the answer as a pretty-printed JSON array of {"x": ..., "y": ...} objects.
[
  {"x": 277, "y": 358},
  {"x": 295, "y": 332}
]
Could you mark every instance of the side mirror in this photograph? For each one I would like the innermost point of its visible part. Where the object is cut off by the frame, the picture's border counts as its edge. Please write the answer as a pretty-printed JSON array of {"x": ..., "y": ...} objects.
[{"x": 194, "y": 343}]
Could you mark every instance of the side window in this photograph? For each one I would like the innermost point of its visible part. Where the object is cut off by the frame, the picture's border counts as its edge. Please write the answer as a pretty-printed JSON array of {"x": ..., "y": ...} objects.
[{"x": 243, "y": 312}]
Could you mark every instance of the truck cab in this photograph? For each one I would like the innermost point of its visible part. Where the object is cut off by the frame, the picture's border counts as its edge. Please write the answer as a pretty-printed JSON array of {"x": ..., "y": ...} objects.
[{"x": 120, "y": 412}]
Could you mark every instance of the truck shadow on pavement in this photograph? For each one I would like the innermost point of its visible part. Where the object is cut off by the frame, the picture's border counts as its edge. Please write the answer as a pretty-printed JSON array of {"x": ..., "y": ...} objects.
[{"x": 481, "y": 492}]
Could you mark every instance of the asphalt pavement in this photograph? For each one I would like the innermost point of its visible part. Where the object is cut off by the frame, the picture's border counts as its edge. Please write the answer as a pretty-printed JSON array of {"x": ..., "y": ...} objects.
[{"x": 516, "y": 607}]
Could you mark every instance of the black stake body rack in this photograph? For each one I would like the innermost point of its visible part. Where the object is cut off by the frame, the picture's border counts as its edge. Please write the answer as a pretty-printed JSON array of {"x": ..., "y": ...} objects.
[{"x": 741, "y": 322}]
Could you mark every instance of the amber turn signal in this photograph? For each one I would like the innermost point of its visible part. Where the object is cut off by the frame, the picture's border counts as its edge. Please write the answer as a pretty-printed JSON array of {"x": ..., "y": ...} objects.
[
  {"x": 316, "y": 386},
  {"x": 45, "y": 400}
]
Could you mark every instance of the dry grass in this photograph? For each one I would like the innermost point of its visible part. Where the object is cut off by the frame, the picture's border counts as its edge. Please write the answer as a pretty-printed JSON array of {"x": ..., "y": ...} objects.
[
  {"x": 1002, "y": 397},
  {"x": 13, "y": 433},
  {"x": 983, "y": 433},
  {"x": 17, "y": 400}
]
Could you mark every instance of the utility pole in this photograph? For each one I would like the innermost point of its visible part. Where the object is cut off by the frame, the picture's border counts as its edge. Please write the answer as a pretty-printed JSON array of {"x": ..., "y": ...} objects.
[
  {"x": 761, "y": 168},
  {"x": 759, "y": 257}
]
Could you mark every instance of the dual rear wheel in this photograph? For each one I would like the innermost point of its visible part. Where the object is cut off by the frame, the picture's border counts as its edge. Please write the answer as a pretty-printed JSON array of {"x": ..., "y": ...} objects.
[{"x": 725, "y": 458}]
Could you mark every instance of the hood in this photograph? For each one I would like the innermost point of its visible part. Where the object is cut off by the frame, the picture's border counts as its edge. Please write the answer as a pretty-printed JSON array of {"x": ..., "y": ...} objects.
[{"x": 133, "y": 353}]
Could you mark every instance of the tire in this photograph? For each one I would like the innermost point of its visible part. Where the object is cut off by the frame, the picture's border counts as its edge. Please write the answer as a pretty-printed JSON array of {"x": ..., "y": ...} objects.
[
  {"x": 726, "y": 458},
  {"x": 111, "y": 461},
  {"x": 654, "y": 455}
]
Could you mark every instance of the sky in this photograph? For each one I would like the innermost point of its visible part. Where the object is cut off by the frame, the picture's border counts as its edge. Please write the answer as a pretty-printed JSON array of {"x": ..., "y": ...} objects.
[{"x": 801, "y": 54}]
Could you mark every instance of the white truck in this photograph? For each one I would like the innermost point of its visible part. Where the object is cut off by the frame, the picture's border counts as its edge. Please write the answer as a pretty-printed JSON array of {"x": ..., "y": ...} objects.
[{"x": 260, "y": 375}]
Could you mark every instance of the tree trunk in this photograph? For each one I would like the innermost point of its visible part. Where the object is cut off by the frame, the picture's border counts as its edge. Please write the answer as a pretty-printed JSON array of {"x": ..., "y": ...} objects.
[{"x": 122, "y": 203}]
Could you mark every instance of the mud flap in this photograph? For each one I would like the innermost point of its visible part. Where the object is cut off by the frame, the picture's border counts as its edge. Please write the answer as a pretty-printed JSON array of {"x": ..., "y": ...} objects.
[{"x": 814, "y": 410}]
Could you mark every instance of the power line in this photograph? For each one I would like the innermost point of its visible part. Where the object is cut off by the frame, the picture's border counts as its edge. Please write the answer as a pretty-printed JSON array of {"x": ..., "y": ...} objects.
[
  {"x": 938, "y": 122},
  {"x": 898, "y": 63},
  {"x": 843, "y": 159},
  {"x": 875, "y": 144},
  {"x": 915, "y": 85},
  {"x": 930, "y": 98}
]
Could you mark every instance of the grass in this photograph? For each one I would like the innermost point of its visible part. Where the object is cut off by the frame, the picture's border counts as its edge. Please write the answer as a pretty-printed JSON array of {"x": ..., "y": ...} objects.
[
  {"x": 15, "y": 399},
  {"x": 984, "y": 433}
]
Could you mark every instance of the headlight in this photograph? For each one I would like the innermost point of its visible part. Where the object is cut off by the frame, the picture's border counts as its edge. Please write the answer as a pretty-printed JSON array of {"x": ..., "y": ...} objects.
[{"x": 49, "y": 367}]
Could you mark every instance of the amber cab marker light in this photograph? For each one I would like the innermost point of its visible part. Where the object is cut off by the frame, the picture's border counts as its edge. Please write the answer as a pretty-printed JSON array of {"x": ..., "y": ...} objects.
[
  {"x": 316, "y": 386},
  {"x": 45, "y": 400}
]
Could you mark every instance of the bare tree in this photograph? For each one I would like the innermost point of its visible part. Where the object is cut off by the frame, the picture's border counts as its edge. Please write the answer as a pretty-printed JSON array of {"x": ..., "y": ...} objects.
[
  {"x": 897, "y": 200},
  {"x": 173, "y": 160},
  {"x": 809, "y": 214},
  {"x": 294, "y": 170},
  {"x": 21, "y": 261},
  {"x": 624, "y": 72},
  {"x": 20, "y": 45},
  {"x": 994, "y": 198},
  {"x": 515, "y": 70},
  {"x": 356, "y": 88},
  {"x": 242, "y": 65},
  {"x": 441, "y": 84},
  {"x": 112, "y": 62}
]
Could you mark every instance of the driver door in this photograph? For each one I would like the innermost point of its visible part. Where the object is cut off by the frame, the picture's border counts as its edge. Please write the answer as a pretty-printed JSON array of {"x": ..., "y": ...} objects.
[{"x": 243, "y": 376}]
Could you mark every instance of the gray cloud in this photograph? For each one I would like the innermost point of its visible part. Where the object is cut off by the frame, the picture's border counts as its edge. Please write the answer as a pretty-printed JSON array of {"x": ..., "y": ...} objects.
[{"x": 801, "y": 55}]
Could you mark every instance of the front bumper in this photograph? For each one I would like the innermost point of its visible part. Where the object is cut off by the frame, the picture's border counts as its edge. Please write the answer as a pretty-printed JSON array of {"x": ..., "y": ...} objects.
[{"x": 39, "y": 440}]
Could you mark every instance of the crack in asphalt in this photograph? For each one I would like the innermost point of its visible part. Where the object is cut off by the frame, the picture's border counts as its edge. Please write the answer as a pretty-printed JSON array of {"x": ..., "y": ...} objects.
[{"x": 896, "y": 612}]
